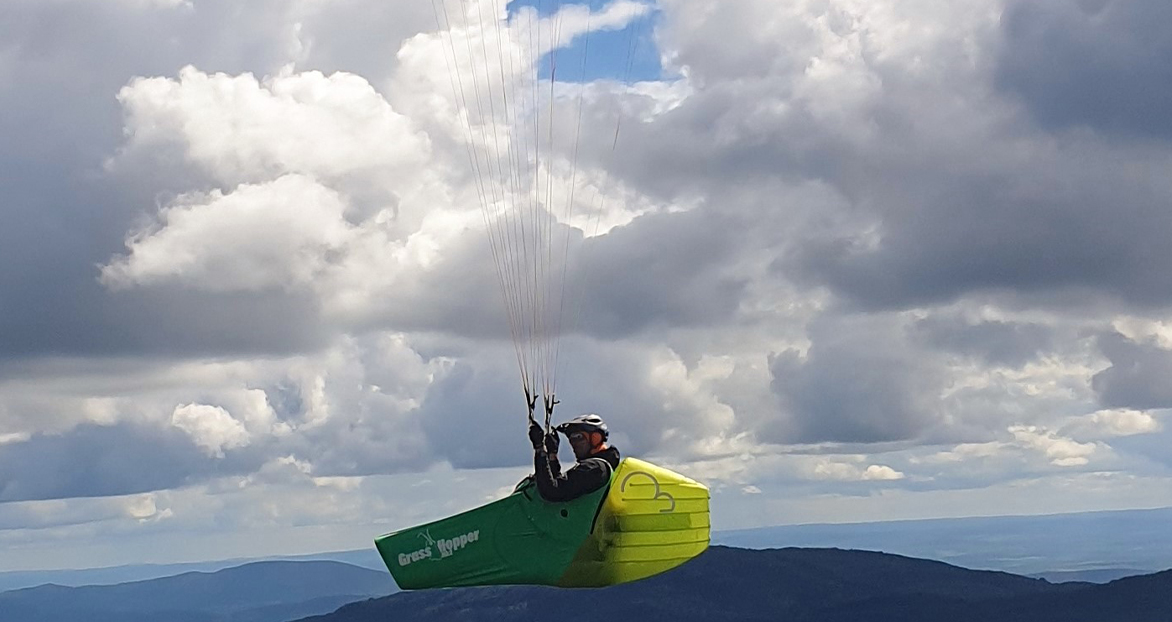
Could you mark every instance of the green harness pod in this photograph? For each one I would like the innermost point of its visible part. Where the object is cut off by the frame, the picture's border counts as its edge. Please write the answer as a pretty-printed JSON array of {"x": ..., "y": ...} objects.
[{"x": 646, "y": 520}]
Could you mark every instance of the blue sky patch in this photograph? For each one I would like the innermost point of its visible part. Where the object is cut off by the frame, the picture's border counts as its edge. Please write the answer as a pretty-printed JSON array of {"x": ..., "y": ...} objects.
[{"x": 628, "y": 55}]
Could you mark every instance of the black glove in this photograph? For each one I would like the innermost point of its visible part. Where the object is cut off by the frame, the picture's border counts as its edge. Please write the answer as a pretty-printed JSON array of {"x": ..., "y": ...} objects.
[
  {"x": 536, "y": 435},
  {"x": 551, "y": 443}
]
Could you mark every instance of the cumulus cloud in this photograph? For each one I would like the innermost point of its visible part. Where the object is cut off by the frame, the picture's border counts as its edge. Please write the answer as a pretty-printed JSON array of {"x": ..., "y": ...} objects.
[
  {"x": 1018, "y": 449},
  {"x": 858, "y": 382},
  {"x": 881, "y": 472},
  {"x": 976, "y": 211},
  {"x": 1113, "y": 423},
  {"x": 965, "y": 451},
  {"x": 850, "y": 471},
  {"x": 68, "y": 514},
  {"x": 282, "y": 469},
  {"x": 13, "y": 437},
  {"x": 102, "y": 461},
  {"x": 1138, "y": 375},
  {"x": 240, "y": 130},
  {"x": 211, "y": 428},
  {"x": 682, "y": 275},
  {"x": 995, "y": 342},
  {"x": 275, "y": 235},
  {"x": 145, "y": 508},
  {"x": 1062, "y": 452}
]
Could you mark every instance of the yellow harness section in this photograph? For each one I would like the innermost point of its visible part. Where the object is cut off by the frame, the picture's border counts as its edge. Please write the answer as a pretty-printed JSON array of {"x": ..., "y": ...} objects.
[
  {"x": 647, "y": 520},
  {"x": 651, "y": 520}
]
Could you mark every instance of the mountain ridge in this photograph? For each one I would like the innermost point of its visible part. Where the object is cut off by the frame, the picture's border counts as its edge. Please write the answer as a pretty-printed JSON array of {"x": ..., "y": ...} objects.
[
  {"x": 798, "y": 585},
  {"x": 273, "y": 591},
  {"x": 1121, "y": 542}
]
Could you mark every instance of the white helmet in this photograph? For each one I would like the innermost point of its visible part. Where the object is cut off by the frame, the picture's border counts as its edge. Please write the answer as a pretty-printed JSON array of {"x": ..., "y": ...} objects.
[{"x": 585, "y": 423}]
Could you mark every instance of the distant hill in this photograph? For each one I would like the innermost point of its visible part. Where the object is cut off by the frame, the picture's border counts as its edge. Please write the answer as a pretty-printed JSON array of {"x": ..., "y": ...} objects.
[
  {"x": 1094, "y": 546},
  {"x": 796, "y": 585},
  {"x": 257, "y": 592},
  {"x": 1091, "y": 576},
  {"x": 110, "y": 575}
]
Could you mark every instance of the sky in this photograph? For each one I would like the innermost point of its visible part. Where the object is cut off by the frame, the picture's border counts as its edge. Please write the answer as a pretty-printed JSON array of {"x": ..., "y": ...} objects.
[{"x": 848, "y": 261}]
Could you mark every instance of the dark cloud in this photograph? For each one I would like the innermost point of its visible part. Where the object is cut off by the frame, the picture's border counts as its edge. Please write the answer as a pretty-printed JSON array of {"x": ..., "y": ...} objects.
[
  {"x": 618, "y": 382},
  {"x": 96, "y": 461},
  {"x": 947, "y": 192},
  {"x": 717, "y": 141},
  {"x": 92, "y": 460},
  {"x": 1104, "y": 64},
  {"x": 661, "y": 270},
  {"x": 372, "y": 437},
  {"x": 995, "y": 343},
  {"x": 858, "y": 383},
  {"x": 1059, "y": 223},
  {"x": 90, "y": 321},
  {"x": 475, "y": 416},
  {"x": 1139, "y": 375}
]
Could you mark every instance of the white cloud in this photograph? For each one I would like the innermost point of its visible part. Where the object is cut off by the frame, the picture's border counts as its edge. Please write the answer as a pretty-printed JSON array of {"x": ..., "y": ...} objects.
[
  {"x": 962, "y": 453},
  {"x": 1023, "y": 442},
  {"x": 85, "y": 514},
  {"x": 14, "y": 437},
  {"x": 280, "y": 234},
  {"x": 830, "y": 469},
  {"x": 702, "y": 419},
  {"x": 241, "y": 130},
  {"x": 145, "y": 507},
  {"x": 881, "y": 472},
  {"x": 211, "y": 428},
  {"x": 258, "y": 415},
  {"x": 341, "y": 484},
  {"x": 1125, "y": 422},
  {"x": 281, "y": 470},
  {"x": 836, "y": 471},
  {"x": 1112, "y": 423},
  {"x": 1063, "y": 452}
]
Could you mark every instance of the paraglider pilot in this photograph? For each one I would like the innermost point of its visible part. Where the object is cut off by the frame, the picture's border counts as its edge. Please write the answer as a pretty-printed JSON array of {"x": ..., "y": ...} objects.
[{"x": 596, "y": 460}]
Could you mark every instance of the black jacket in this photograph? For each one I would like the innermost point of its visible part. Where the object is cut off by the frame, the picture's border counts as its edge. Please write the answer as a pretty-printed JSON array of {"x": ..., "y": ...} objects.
[{"x": 583, "y": 478}]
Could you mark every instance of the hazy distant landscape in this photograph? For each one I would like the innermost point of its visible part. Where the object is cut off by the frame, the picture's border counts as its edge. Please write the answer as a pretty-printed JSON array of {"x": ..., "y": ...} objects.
[
  {"x": 1091, "y": 546},
  {"x": 256, "y": 592},
  {"x": 363, "y": 558},
  {"x": 862, "y": 571},
  {"x": 796, "y": 585}
]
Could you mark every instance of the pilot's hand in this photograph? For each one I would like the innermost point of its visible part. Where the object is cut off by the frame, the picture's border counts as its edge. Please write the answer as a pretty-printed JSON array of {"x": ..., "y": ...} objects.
[{"x": 536, "y": 435}]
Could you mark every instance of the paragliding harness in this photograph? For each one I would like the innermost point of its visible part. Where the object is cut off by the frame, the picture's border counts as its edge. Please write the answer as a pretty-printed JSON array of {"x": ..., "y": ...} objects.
[
  {"x": 641, "y": 521},
  {"x": 645, "y": 521}
]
